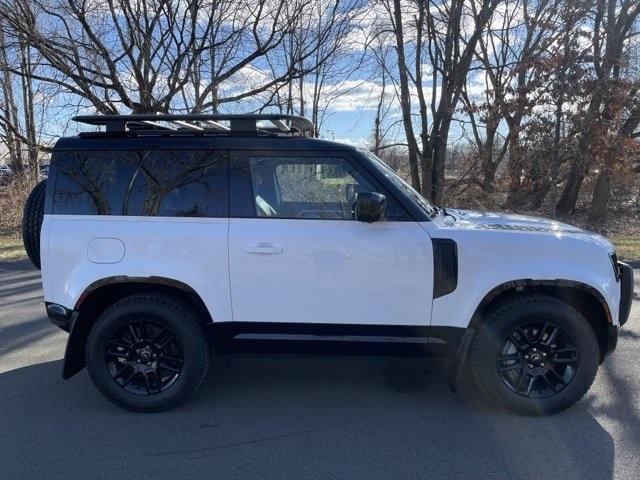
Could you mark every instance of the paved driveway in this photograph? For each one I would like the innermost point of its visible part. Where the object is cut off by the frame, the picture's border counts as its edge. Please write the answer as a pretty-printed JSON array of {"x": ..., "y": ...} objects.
[{"x": 298, "y": 417}]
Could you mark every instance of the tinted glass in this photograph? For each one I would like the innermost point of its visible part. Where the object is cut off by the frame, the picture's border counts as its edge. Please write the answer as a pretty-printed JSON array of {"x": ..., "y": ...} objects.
[
  {"x": 399, "y": 182},
  {"x": 183, "y": 183},
  {"x": 306, "y": 187}
]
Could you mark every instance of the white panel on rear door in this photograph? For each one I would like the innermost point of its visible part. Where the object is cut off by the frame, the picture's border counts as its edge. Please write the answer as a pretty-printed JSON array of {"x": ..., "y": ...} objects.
[{"x": 190, "y": 250}]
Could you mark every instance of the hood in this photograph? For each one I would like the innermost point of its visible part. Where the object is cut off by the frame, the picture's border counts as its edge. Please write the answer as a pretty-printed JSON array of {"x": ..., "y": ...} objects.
[{"x": 509, "y": 222}]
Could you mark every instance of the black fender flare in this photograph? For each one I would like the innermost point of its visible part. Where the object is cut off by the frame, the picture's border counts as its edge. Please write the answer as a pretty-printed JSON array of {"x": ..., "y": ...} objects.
[
  {"x": 83, "y": 315},
  {"x": 462, "y": 351}
]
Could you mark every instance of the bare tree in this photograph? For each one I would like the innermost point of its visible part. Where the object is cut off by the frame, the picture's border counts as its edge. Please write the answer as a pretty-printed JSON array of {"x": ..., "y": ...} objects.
[
  {"x": 143, "y": 55},
  {"x": 511, "y": 54},
  {"x": 319, "y": 58},
  {"x": 613, "y": 23},
  {"x": 443, "y": 35},
  {"x": 18, "y": 120}
]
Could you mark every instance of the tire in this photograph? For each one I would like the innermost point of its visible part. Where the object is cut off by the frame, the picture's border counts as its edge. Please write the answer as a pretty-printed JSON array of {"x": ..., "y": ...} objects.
[
  {"x": 109, "y": 350},
  {"x": 32, "y": 216},
  {"x": 516, "y": 342}
]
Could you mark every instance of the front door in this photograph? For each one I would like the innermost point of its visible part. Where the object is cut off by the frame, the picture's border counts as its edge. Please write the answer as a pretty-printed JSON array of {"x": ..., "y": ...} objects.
[{"x": 301, "y": 257}]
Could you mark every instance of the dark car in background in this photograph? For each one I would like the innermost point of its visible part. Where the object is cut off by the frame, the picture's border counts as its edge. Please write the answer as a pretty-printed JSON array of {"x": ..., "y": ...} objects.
[{"x": 5, "y": 174}]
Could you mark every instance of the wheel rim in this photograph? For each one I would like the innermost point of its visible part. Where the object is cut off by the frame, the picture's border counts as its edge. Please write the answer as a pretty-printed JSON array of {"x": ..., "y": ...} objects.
[
  {"x": 538, "y": 360},
  {"x": 144, "y": 357}
]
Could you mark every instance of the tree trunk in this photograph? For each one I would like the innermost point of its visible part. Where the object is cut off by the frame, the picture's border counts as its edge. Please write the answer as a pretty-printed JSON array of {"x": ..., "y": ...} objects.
[
  {"x": 569, "y": 195},
  {"x": 600, "y": 199},
  {"x": 514, "y": 166},
  {"x": 488, "y": 175},
  {"x": 10, "y": 111},
  {"x": 437, "y": 154},
  {"x": 439, "y": 157},
  {"x": 28, "y": 106},
  {"x": 487, "y": 163},
  {"x": 405, "y": 97}
]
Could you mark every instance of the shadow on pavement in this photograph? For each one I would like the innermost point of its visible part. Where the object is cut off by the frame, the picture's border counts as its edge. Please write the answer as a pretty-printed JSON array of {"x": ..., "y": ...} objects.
[
  {"x": 301, "y": 417},
  {"x": 20, "y": 335},
  {"x": 18, "y": 265}
]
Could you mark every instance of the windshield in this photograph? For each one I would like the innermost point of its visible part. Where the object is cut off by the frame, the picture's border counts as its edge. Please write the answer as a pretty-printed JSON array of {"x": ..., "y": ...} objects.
[{"x": 399, "y": 182}]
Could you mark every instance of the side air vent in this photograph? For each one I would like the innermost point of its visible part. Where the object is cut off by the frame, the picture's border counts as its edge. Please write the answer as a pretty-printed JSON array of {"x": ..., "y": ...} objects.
[{"x": 445, "y": 266}]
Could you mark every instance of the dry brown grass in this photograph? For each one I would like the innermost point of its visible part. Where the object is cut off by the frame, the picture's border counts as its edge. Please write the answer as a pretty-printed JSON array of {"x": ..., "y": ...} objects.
[
  {"x": 628, "y": 247},
  {"x": 11, "y": 248},
  {"x": 12, "y": 200}
]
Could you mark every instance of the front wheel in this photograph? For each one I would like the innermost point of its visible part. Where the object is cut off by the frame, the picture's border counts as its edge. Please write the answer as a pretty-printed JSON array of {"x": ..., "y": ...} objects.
[
  {"x": 148, "y": 352},
  {"x": 534, "y": 355}
]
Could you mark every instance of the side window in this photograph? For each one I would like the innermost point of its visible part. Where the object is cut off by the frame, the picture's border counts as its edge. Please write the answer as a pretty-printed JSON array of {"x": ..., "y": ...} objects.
[
  {"x": 180, "y": 183},
  {"x": 170, "y": 183},
  {"x": 91, "y": 183},
  {"x": 306, "y": 187}
]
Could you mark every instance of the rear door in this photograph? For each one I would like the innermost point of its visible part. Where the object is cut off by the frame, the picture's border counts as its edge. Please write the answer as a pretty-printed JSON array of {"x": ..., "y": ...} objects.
[{"x": 297, "y": 255}]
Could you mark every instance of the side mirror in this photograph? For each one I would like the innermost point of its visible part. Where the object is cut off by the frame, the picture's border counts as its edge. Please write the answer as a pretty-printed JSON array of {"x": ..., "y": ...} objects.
[{"x": 370, "y": 206}]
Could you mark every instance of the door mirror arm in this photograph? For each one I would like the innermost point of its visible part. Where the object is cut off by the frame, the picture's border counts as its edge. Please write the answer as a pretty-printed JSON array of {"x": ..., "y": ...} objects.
[{"x": 370, "y": 206}]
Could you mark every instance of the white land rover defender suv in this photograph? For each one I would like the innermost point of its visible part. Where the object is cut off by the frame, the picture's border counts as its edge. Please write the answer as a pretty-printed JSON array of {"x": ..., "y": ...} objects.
[{"x": 163, "y": 238}]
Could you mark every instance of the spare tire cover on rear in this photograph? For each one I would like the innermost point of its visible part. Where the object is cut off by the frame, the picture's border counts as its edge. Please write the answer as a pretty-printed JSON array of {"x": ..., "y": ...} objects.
[{"x": 32, "y": 222}]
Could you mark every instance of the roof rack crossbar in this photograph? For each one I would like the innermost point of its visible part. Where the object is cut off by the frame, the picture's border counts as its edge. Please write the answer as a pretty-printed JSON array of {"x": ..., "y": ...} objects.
[
  {"x": 280, "y": 125},
  {"x": 242, "y": 123},
  {"x": 217, "y": 125},
  {"x": 155, "y": 125},
  {"x": 187, "y": 125}
]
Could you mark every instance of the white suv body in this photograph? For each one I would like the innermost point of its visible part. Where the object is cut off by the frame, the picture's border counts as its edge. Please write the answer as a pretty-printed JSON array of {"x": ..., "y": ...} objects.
[
  {"x": 319, "y": 271},
  {"x": 283, "y": 248}
]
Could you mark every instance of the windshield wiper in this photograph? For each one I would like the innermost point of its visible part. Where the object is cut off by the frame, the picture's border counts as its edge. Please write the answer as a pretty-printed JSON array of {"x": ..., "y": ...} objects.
[{"x": 441, "y": 210}]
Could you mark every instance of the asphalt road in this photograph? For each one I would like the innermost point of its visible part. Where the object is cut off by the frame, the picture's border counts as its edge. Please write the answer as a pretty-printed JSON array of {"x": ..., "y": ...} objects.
[{"x": 299, "y": 417}]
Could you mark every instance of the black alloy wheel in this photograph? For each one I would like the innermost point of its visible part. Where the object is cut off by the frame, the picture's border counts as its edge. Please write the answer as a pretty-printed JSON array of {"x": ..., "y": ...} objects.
[
  {"x": 538, "y": 360},
  {"x": 534, "y": 354},
  {"x": 148, "y": 352},
  {"x": 144, "y": 358}
]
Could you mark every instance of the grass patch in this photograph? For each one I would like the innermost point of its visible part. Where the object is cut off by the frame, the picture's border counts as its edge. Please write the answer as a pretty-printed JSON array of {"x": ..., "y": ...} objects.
[
  {"x": 11, "y": 248},
  {"x": 628, "y": 246}
]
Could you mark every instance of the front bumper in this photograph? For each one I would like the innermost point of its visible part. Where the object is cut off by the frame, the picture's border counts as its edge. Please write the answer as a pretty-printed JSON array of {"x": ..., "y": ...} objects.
[
  {"x": 60, "y": 316},
  {"x": 626, "y": 292},
  {"x": 625, "y": 275}
]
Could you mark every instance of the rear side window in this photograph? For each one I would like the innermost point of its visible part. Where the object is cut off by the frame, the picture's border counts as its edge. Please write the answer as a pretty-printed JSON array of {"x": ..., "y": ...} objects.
[{"x": 172, "y": 183}]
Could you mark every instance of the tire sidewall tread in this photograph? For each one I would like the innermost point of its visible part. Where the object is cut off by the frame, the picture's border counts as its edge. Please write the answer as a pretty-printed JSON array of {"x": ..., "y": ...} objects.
[
  {"x": 32, "y": 217},
  {"x": 492, "y": 334},
  {"x": 184, "y": 323}
]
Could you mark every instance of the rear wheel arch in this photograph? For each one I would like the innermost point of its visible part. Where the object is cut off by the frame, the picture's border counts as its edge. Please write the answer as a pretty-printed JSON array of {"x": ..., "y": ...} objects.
[
  {"x": 103, "y": 293},
  {"x": 163, "y": 354}
]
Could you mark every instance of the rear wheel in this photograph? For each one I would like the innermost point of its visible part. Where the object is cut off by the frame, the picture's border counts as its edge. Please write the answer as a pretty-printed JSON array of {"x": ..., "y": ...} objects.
[
  {"x": 535, "y": 355},
  {"x": 148, "y": 353},
  {"x": 32, "y": 216}
]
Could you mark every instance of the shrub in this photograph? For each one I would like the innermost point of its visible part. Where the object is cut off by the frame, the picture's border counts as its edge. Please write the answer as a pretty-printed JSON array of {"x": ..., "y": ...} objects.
[{"x": 12, "y": 199}]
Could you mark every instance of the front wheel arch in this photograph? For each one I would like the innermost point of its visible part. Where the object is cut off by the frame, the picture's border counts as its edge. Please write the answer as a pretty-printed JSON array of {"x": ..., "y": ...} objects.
[
  {"x": 584, "y": 298},
  {"x": 521, "y": 314}
]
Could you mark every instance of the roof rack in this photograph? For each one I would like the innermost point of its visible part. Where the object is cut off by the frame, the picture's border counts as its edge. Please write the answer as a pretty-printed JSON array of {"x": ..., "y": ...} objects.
[{"x": 201, "y": 123}]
